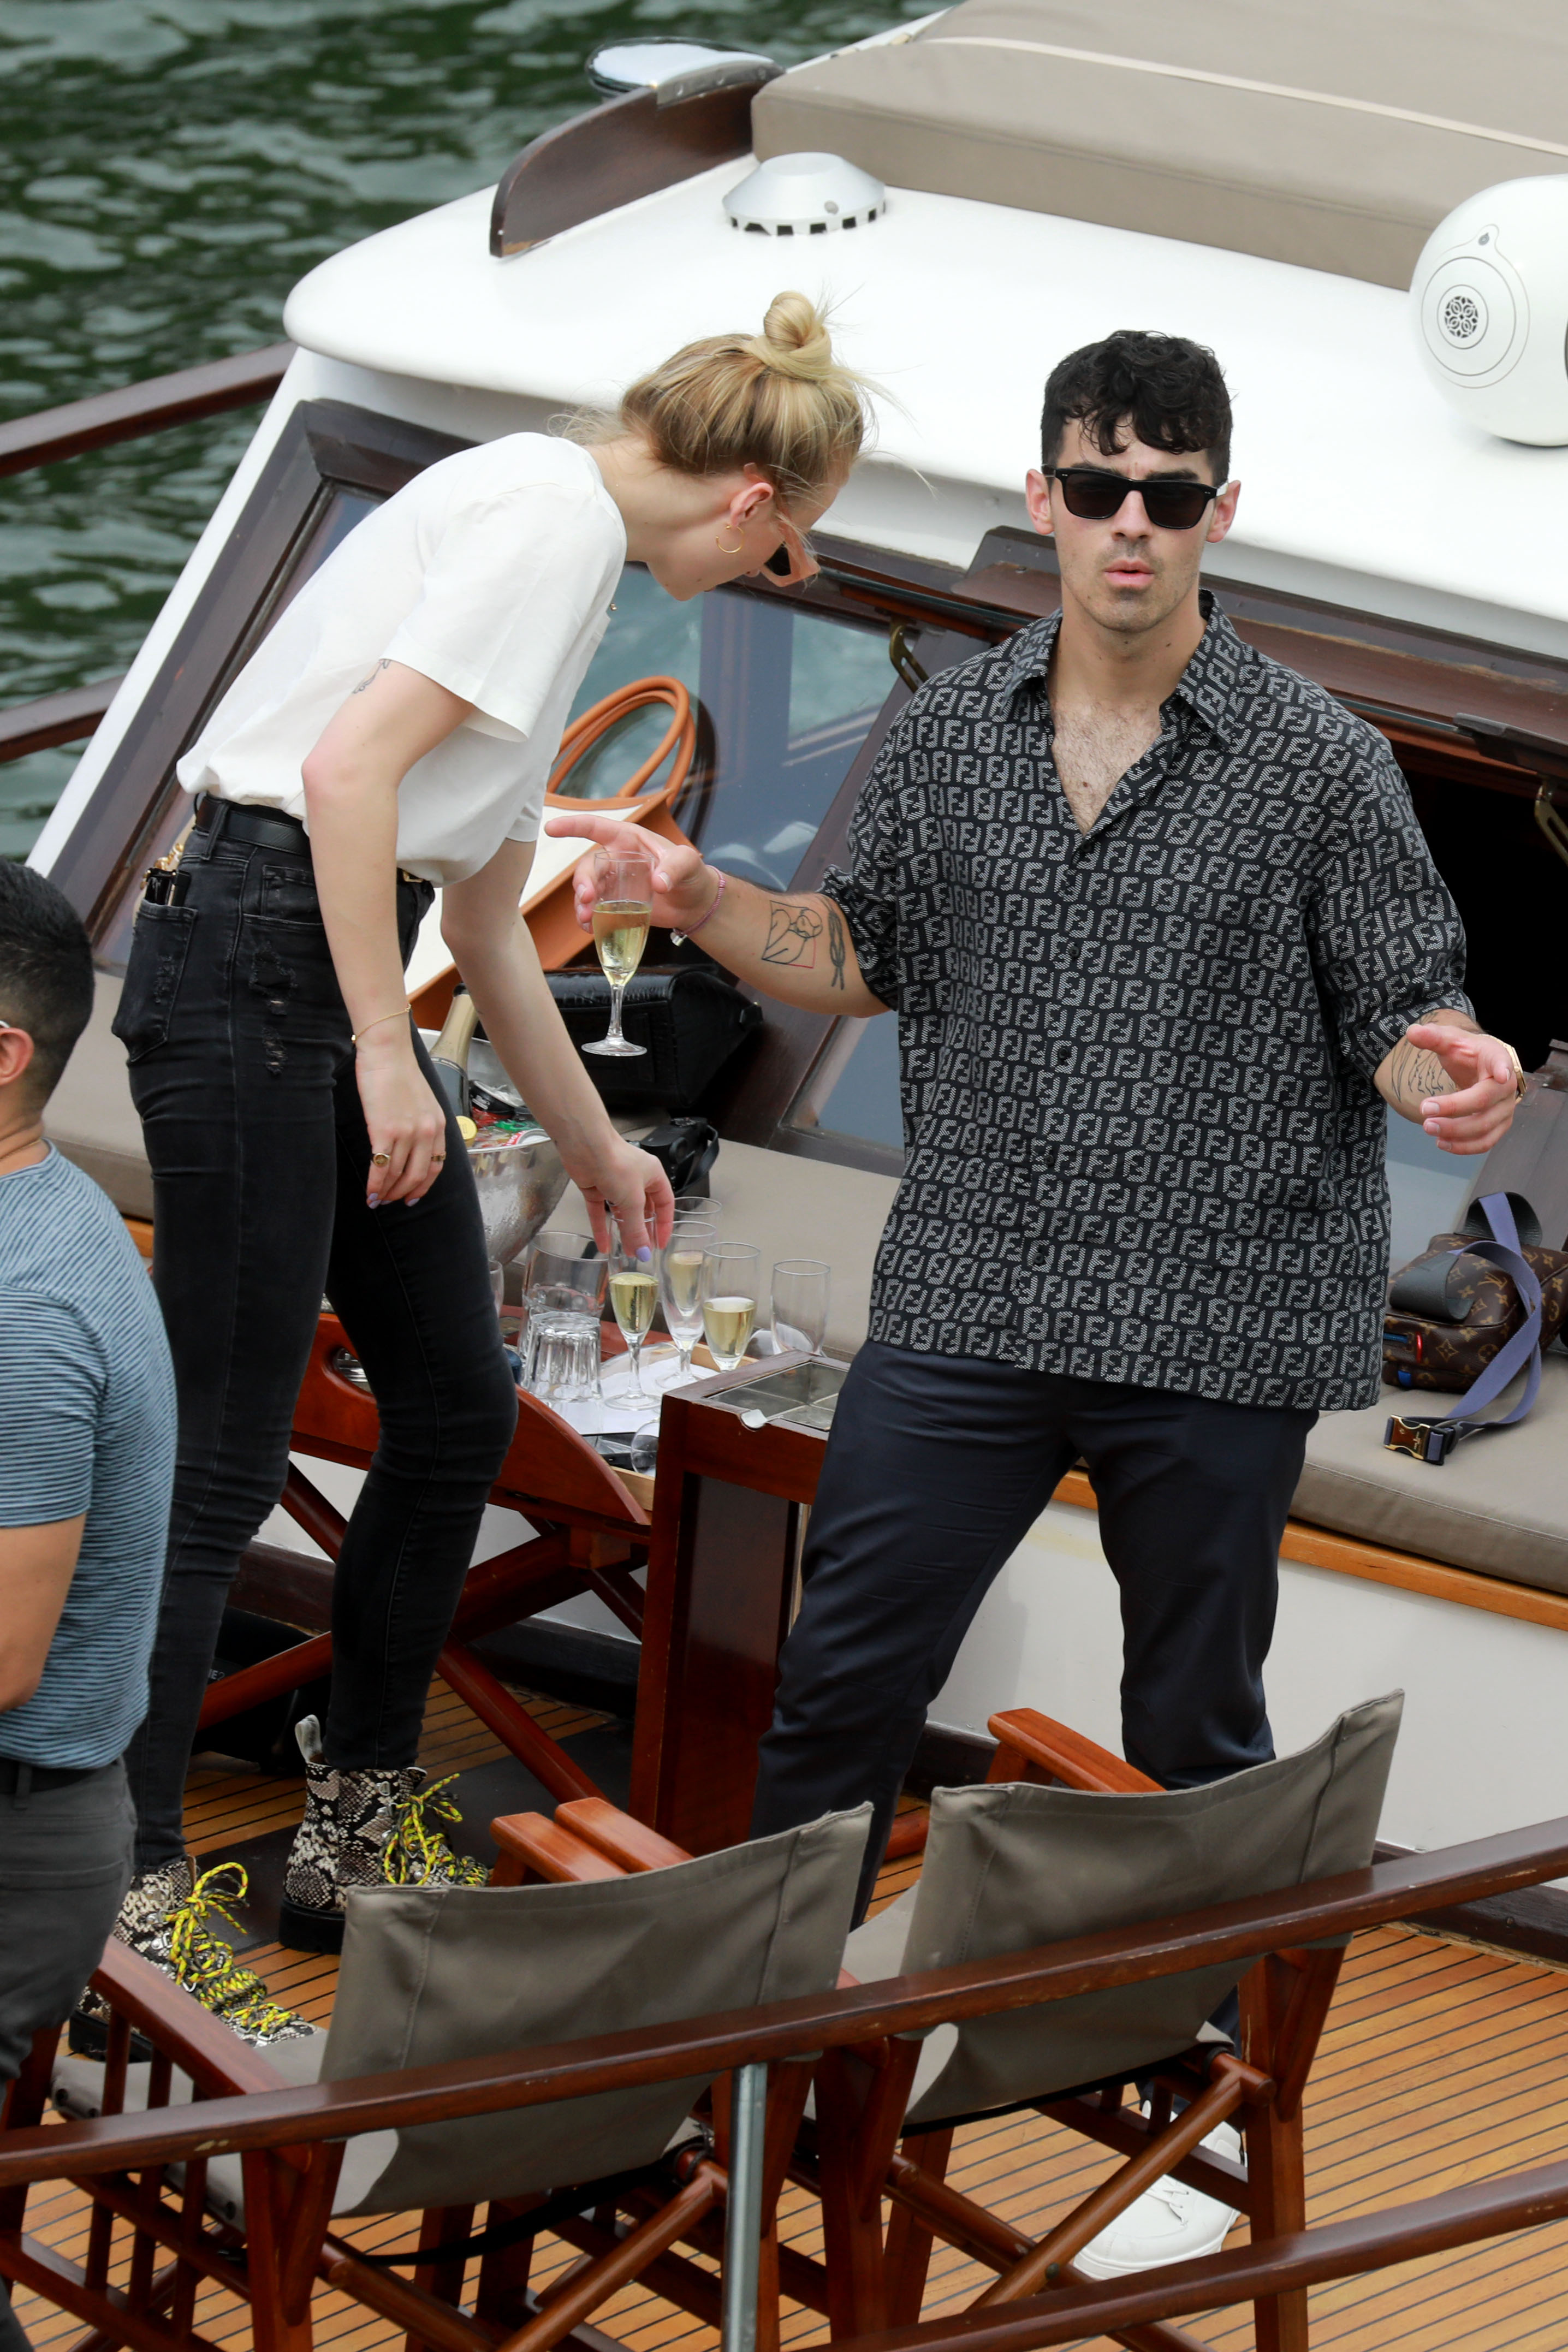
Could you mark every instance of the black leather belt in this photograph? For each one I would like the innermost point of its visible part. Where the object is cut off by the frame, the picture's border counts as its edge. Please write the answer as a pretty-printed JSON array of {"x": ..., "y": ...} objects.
[
  {"x": 263, "y": 828},
  {"x": 17, "y": 1775}
]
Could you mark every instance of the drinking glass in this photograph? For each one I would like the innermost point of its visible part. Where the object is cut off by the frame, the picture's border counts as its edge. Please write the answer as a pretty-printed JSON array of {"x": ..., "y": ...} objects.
[
  {"x": 680, "y": 1285},
  {"x": 801, "y": 1286},
  {"x": 698, "y": 1205},
  {"x": 730, "y": 1283},
  {"x": 566, "y": 1273},
  {"x": 561, "y": 1365},
  {"x": 633, "y": 1296},
  {"x": 623, "y": 901},
  {"x": 498, "y": 1283}
]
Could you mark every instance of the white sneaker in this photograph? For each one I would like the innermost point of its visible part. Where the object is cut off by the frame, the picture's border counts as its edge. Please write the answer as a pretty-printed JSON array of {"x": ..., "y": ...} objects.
[{"x": 1169, "y": 2223}]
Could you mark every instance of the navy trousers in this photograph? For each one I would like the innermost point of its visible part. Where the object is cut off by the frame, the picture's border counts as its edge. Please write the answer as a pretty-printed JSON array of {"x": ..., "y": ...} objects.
[{"x": 936, "y": 1468}]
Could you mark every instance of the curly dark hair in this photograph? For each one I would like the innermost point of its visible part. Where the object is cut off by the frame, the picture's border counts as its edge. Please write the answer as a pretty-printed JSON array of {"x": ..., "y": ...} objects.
[{"x": 1169, "y": 390}]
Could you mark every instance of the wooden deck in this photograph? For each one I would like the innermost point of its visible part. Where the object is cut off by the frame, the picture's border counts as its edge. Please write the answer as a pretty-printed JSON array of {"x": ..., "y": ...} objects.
[{"x": 1442, "y": 2064}]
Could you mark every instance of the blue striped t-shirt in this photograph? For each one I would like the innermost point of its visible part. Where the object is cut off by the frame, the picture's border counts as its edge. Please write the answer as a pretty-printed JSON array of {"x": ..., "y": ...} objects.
[{"x": 87, "y": 1424}]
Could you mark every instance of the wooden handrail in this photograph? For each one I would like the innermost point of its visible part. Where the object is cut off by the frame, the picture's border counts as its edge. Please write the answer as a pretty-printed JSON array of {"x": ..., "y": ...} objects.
[
  {"x": 1269, "y": 2266},
  {"x": 136, "y": 409},
  {"x": 55, "y": 718},
  {"x": 1233, "y": 1932}
]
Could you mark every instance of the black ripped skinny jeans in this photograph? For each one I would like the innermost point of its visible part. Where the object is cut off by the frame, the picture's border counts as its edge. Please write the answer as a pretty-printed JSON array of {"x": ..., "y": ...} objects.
[{"x": 243, "y": 1072}]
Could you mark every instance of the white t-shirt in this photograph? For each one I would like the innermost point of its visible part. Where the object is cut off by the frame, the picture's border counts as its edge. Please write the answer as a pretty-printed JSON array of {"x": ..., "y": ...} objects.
[{"x": 493, "y": 573}]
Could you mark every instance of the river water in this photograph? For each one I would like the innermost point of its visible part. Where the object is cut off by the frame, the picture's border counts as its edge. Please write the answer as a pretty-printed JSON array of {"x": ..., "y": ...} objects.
[{"x": 168, "y": 169}]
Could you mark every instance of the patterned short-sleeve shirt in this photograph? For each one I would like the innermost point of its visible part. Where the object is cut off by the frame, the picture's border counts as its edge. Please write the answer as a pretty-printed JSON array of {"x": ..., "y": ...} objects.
[{"x": 1144, "y": 1144}]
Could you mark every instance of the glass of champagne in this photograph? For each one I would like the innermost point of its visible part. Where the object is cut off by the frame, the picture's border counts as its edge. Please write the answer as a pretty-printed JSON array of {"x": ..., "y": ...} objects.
[
  {"x": 633, "y": 1296},
  {"x": 680, "y": 1285},
  {"x": 623, "y": 902},
  {"x": 801, "y": 1286},
  {"x": 731, "y": 1283}
]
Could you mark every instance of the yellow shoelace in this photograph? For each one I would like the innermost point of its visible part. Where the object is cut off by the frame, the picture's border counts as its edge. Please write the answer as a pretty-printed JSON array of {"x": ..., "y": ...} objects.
[
  {"x": 417, "y": 1851},
  {"x": 205, "y": 1964}
]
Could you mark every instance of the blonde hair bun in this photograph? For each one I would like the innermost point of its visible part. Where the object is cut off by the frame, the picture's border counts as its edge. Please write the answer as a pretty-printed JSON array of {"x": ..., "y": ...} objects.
[
  {"x": 795, "y": 340},
  {"x": 779, "y": 401}
]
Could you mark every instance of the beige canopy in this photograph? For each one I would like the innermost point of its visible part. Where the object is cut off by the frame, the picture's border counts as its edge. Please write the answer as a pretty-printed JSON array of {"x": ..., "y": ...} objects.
[{"x": 1333, "y": 133}]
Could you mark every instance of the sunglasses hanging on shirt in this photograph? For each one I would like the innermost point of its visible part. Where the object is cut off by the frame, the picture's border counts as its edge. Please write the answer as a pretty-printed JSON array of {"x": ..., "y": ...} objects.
[{"x": 1095, "y": 496}]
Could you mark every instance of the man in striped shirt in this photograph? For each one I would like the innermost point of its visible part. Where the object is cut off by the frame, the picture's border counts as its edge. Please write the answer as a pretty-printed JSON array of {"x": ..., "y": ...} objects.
[{"x": 86, "y": 1458}]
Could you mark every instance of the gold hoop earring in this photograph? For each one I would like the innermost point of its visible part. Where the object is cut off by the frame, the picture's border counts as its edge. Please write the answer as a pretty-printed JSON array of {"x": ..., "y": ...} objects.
[{"x": 738, "y": 548}]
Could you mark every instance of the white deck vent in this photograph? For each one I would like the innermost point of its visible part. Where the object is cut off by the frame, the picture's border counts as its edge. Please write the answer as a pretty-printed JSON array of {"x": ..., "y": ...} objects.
[{"x": 805, "y": 195}]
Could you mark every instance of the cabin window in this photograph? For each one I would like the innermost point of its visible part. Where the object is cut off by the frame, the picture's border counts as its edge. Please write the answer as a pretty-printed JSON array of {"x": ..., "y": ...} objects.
[
  {"x": 852, "y": 1093},
  {"x": 787, "y": 697}
]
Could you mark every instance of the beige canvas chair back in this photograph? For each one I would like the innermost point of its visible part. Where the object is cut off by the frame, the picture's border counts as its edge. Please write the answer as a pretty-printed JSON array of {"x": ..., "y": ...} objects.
[
  {"x": 1015, "y": 1866},
  {"x": 435, "y": 1975}
]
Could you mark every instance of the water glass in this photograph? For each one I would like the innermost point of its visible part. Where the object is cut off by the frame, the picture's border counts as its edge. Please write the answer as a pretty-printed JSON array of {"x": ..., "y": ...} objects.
[
  {"x": 680, "y": 1285},
  {"x": 801, "y": 1288},
  {"x": 696, "y": 1204},
  {"x": 498, "y": 1283},
  {"x": 730, "y": 1284},
  {"x": 561, "y": 1362},
  {"x": 562, "y": 1260}
]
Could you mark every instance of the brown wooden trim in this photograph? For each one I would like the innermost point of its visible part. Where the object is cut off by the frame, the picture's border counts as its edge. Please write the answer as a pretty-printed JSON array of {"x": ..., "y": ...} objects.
[
  {"x": 137, "y": 409},
  {"x": 1313, "y": 1547},
  {"x": 630, "y": 147},
  {"x": 55, "y": 718},
  {"x": 1222, "y": 1935}
]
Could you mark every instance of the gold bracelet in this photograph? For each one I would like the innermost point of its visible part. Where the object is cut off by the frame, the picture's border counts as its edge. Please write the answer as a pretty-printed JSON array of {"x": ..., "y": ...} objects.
[{"x": 404, "y": 1010}]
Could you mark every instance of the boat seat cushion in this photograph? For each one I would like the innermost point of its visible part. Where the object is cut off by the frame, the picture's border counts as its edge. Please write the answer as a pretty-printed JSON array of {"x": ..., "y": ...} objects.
[
  {"x": 1312, "y": 131},
  {"x": 1497, "y": 1505}
]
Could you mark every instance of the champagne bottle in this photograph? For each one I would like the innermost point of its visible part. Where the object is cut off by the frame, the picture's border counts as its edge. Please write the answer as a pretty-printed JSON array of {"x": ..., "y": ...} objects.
[{"x": 450, "y": 1051}]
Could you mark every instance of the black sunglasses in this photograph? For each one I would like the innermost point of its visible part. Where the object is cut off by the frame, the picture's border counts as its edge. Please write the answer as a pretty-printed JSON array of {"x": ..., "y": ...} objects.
[{"x": 1095, "y": 496}]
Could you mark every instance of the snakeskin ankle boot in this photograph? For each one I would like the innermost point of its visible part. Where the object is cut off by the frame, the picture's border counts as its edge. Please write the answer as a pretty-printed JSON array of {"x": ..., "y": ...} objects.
[
  {"x": 363, "y": 1829},
  {"x": 166, "y": 1917}
]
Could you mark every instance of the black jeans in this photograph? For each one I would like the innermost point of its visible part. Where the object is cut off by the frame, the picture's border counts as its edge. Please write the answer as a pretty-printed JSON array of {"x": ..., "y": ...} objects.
[
  {"x": 243, "y": 1072},
  {"x": 936, "y": 1468}
]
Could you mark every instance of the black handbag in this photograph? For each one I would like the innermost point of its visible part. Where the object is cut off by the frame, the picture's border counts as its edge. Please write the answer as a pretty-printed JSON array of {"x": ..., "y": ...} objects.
[{"x": 688, "y": 1019}]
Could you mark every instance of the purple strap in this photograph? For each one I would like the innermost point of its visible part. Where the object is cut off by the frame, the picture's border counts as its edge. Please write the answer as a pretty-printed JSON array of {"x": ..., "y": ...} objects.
[{"x": 1442, "y": 1434}]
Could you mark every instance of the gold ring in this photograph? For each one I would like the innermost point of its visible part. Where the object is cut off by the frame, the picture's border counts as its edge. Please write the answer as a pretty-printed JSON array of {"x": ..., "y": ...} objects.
[
  {"x": 438, "y": 1155},
  {"x": 381, "y": 1158}
]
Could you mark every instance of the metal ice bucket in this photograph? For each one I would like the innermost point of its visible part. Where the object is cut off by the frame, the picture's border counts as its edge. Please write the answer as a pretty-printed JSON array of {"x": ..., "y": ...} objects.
[{"x": 519, "y": 1180}]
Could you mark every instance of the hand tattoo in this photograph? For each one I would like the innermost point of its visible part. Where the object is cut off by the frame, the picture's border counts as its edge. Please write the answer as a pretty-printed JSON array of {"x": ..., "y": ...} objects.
[
  {"x": 1413, "y": 1075},
  {"x": 385, "y": 663},
  {"x": 793, "y": 934}
]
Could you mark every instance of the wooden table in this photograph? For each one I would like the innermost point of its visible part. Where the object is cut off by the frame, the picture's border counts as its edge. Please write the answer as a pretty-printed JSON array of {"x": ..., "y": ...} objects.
[{"x": 723, "y": 1555}]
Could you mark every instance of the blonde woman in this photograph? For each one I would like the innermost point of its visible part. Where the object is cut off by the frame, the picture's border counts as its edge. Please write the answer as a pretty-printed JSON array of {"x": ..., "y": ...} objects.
[{"x": 391, "y": 737}]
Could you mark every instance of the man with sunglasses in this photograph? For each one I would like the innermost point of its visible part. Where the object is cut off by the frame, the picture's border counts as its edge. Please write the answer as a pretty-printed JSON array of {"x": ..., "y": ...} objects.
[{"x": 1165, "y": 937}]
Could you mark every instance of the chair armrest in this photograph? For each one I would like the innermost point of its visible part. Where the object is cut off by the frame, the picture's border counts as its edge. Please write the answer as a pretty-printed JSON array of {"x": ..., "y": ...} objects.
[
  {"x": 531, "y": 1848},
  {"x": 1031, "y": 1747},
  {"x": 616, "y": 1835}
]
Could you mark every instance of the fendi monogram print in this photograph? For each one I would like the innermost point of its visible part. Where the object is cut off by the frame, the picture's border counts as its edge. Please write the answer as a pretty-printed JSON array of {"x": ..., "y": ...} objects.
[{"x": 1137, "y": 1063}]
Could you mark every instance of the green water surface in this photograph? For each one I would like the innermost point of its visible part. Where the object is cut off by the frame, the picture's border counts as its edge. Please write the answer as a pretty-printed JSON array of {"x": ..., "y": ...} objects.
[{"x": 168, "y": 169}]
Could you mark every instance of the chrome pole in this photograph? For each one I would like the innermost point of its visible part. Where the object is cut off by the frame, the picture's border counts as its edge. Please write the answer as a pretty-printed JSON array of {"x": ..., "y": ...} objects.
[{"x": 743, "y": 2211}]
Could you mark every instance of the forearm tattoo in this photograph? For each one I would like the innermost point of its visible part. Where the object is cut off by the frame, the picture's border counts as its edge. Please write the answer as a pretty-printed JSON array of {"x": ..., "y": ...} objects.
[
  {"x": 1413, "y": 1075},
  {"x": 838, "y": 945},
  {"x": 794, "y": 932}
]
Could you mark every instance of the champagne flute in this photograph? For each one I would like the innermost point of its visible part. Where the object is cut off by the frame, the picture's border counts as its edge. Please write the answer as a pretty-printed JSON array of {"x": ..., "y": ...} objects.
[
  {"x": 801, "y": 1286},
  {"x": 680, "y": 1285},
  {"x": 623, "y": 902},
  {"x": 732, "y": 1280},
  {"x": 633, "y": 1296}
]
